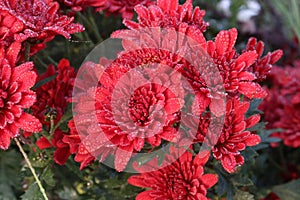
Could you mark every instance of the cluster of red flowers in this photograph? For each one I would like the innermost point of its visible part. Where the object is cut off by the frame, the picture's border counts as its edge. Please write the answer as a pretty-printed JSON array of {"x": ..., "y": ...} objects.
[
  {"x": 150, "y": 114},
  {"x": 284, "y": 100},
  {"x": 240, "y": 74},
  {"x": 31, "y": 22},
  {"x": 53, "y": 98}
]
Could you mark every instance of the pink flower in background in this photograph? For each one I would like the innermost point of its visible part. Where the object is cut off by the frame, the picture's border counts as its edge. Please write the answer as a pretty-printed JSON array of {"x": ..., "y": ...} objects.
[{"x": 284, "y": 100}]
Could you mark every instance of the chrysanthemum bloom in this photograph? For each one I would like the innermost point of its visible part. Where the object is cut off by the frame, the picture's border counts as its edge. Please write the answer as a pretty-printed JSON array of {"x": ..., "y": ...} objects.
[
  {"x": 183, "y": 179},
  {"x": 239, "y": 71},
  {"x": 262, "y": 66},
  {"x": 79, "y": 5},
  {"x": 37, "y": 20},
  {"x": 123, "y": 7},
  {"x": 15, "y": 95},
  {"x": 54, "y": 95},
  {"x": 284, "y": 100},
  {"x": 62, "y": 151},
  {"x": 73, "y": 140},
  {"x": 235, "y": 137},
  {"x": 53, "y": 100},
  {"x": 169, "y": 14},
  {"x": 131, "y": 114}
]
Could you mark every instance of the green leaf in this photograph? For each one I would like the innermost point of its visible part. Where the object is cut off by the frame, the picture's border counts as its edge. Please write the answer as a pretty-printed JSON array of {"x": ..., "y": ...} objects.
[
  {"x": 67, "y": 194},
  {"x": 44, "y": 81},
  {"x": 242, "y": 181},
  {"x": 9, "y": 168},
  {"x": 249, "y": 154},
  {"x": 253, "y": 109},
  {"x": 288, "y": 191},
  {"x": 224, "y": 184},
  {"x": 47, "y": 176},
  {"x": 243, "y": 195},
  {"x": 32, "y": 193}
]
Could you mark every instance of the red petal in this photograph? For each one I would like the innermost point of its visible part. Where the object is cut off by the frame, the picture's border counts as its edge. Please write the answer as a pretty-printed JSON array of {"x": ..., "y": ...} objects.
[
  {"x": 209, "y": 180},
  {"x": 27, "y": 80},
  {"x": 122, "y": 158},
  {"x": 228, "y": 162},
  {"x": 4, "y": 139},
  {"x": 225, "y": 41},
  {"x": 168, "y": 5},
  {"x": 13, "y": 52},
  {"x": 248, "y": 58},
  {"x": 218, "y": 107},
  {"x": 252, "y": 90},
  {"x": 202, "y": 157},
  {"x": 251, "y": 121},
  {"x": 246, "y": 76},
  {"x": 43, "y": 143},
  {"x": 61, "y": 155},
  {"x": 21, "y": 70},
  {"x": 138, "y": 181},
  {"x": 252, "y": 140},
  {"x": 29, "y": 123},
  {"x": 276, "y": 55},
  {"x": 2, "y": 121},
  {"x": 28, "y": 99},
  {"x": 146, "y": 195}
]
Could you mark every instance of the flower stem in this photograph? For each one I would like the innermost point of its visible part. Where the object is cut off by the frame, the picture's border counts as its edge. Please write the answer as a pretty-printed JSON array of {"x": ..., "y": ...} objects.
[
  {"x": 31, "y": 169},
  {"x": 27, "y": 51}
]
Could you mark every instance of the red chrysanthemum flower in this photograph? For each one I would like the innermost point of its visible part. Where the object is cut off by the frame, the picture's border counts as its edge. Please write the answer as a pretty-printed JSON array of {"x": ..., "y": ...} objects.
[
  {"x": 150, "y": 114},
  {"x": 15, "y": 95},
  {"x": 183, "y": 179},
  {"x": 239, "y": 71},
  {"x": 80, "y": 5},
  {"x": 169, "y": 14},
  {"x": 284, "y": 100},
  {"x": 123, "y": 7},
  {"x": 262, "y": 66},
  {"x": 53, "y": 100},
  {"x": 235, "y": 137},
  {"x": 54, "y": 95},
  {"x": 34, "y": 19},
  {"x": 73, "y": 140}
]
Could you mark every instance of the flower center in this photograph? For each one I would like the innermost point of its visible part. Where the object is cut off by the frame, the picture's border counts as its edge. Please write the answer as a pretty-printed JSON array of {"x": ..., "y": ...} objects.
[{"x": 139, "y": 107}]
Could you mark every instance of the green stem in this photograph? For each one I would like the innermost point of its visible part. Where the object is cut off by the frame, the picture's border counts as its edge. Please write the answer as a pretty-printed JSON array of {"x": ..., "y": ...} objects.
[
  {"x": 52, "y": 129},
  {"x": 31, "y": 169},
  {"x": 27, "y": 51}
]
